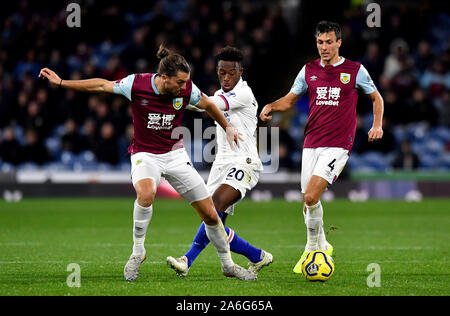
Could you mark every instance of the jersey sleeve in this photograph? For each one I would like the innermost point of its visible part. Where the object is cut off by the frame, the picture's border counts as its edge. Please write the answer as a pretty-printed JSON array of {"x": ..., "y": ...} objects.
[
  {"x": 196, "y": 95},
  {"x": 233, "y": 100},
  {"x": 124, "y": 86},
  {"x": 300, "y": 85},
  {"x": 364, "y": 82}
]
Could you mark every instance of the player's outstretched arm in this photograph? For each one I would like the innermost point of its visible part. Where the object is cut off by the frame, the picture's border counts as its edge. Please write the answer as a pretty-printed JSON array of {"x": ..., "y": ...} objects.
[
  {"x": 213, "y": 111},
  {"x": 88, "y": 85},
  {"x": 376, "y": 132},
  {"x": 283, "y": 104}
]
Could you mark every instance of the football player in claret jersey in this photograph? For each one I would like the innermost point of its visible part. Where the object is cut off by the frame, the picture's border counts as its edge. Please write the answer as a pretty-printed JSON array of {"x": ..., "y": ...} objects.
[
  {"x": 332, "y": 83},
  {"x": 234, "y": 172},
  {"x": 157, "y": 103}
]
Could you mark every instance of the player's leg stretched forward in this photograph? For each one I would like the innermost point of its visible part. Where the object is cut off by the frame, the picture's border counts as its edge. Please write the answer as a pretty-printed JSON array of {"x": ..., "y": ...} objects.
[
  {"x": 215, "y": 232},
  {"x": 224, "y": 197},
  {"x": 313, "y": 213}
]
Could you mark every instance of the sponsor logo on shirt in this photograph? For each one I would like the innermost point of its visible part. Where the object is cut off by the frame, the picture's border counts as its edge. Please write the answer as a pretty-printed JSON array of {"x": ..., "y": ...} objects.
[
  {"x": 328, "y": 96},
  {"x": 159, "y": 121}
]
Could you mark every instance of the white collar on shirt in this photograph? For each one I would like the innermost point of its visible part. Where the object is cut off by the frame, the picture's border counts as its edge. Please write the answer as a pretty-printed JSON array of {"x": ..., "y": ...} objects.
[{"x": 340, "y": 62}]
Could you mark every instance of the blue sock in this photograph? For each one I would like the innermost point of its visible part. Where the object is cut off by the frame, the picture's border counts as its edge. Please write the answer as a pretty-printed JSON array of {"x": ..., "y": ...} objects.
[
  {"x": 240, "y": 246},
  {"x": 237, "y": 245},
  {"x": 199, "y": 243}
]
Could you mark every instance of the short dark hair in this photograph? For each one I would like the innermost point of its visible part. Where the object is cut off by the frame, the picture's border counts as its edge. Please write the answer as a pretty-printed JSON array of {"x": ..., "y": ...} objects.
[
  {"x": 327, "y": 26},
  {"x": 170, "y": 63},
  {"x": 229, "y": 53}
]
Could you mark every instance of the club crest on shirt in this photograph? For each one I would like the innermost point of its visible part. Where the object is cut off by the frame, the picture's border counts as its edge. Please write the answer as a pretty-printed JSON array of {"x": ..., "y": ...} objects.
[
  {"x": 345, "y": 77},
  {"x": 177, "y": 103}
]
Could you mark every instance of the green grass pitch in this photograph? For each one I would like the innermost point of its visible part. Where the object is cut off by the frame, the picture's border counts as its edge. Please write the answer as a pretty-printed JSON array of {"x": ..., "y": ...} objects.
[{"x": 39, "y": 238}]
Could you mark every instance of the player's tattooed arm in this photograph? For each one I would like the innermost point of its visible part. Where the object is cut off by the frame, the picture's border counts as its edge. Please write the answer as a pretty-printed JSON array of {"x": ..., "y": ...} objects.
[
  {"x": 88, "y": 85},
  {"x": 283, "y": 104}
]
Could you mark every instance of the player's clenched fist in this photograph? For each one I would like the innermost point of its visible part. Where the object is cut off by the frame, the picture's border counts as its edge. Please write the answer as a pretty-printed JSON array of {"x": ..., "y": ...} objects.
[
  {"x": 50, "y": 75},
  {"x": 375, "y": 133},
  {"x": 265, "y": 113}
]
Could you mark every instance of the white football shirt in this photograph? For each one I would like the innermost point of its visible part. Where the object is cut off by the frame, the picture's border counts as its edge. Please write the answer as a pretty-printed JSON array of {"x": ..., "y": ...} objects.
[{"x": 240, "y": 109}]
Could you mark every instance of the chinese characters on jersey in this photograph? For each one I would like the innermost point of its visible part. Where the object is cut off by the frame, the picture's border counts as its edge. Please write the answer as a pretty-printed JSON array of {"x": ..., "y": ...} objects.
[{"x": 328, "y": 96}]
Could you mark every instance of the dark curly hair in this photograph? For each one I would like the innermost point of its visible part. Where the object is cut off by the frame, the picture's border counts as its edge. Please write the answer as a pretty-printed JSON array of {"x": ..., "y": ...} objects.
[{"x": 229, "y": 53}]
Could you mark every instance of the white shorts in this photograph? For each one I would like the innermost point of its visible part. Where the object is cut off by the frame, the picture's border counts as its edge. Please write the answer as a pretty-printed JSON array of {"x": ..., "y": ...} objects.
[
  {"x": 325, "y": 162},
  {"x": 176, "y": 167},
  {"x": 242, "y": 177}
]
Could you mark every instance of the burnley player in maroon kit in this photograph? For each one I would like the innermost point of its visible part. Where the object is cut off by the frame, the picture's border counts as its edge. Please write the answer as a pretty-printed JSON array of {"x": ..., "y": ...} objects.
[
  {"x": 157, "y": 103},
  {"x": 332, "y": 83}
]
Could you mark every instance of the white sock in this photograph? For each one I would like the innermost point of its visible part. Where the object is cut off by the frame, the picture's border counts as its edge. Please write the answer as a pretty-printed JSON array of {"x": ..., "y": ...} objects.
[
  {"x": 323, "y": 243},
  {"x": 218, "y": 237},
  {"x": 141, "y": 219},
  {"x": 313, "y": 219}
]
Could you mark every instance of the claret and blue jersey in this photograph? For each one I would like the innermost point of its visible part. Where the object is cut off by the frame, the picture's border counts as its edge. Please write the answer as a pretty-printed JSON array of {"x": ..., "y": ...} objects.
[
  {"x": 333, "y": 95},
  {"x": 155, "y": 116}
]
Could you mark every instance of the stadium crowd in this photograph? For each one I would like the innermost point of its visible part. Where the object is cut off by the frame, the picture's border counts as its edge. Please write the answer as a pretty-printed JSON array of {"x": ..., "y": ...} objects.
[{"x": 45, "y": 126}]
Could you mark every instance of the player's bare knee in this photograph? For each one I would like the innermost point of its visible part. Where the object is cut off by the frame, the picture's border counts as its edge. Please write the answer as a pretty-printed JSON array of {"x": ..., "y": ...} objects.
[
  {"x": 145, "y": 197},
  {"x": 211, "y": 220},
  {"x": 310, "y": 199}
]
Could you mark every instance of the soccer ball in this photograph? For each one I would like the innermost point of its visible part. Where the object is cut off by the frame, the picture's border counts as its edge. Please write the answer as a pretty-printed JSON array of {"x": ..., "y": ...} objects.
[{"x": 318, "y": 266}]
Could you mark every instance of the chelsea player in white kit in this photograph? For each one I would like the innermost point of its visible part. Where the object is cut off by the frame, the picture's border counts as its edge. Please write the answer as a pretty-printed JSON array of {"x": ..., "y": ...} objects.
[{"x": 235, "y": 170}]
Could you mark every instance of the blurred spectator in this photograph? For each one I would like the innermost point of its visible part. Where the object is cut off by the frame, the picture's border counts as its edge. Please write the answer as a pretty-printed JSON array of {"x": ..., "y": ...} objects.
[
  {"x": 436, "y": 79},
  {"x": 102, "y": 113},
  {"x": 34, "y": 149},
  {"x": 424, "y": 56},
  {"x": 20, "y": 108},
  {"x": 35, "y": 120},
  {"x": 71, "y": 140},
  {"x": 398, "y": 58},
  {"x": 106, "y": 148},
  {"x": 406, "y": 159},
  {"x": 10, "y": 149},
  {"x": 442, "y": 105},
  {"x": 136, "y": 49},
  {"x": 124, "y": 142},
  {"x": 421, "y": 108},
  {"x": 114, "y": 70},
  {"x": 89, "y": 134},
  {"x": 373, "y": 61},
  {"x": 393, "y": 109},
  {"x": 27, "y": 66},
  {"x": 404, "y": 81}
]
